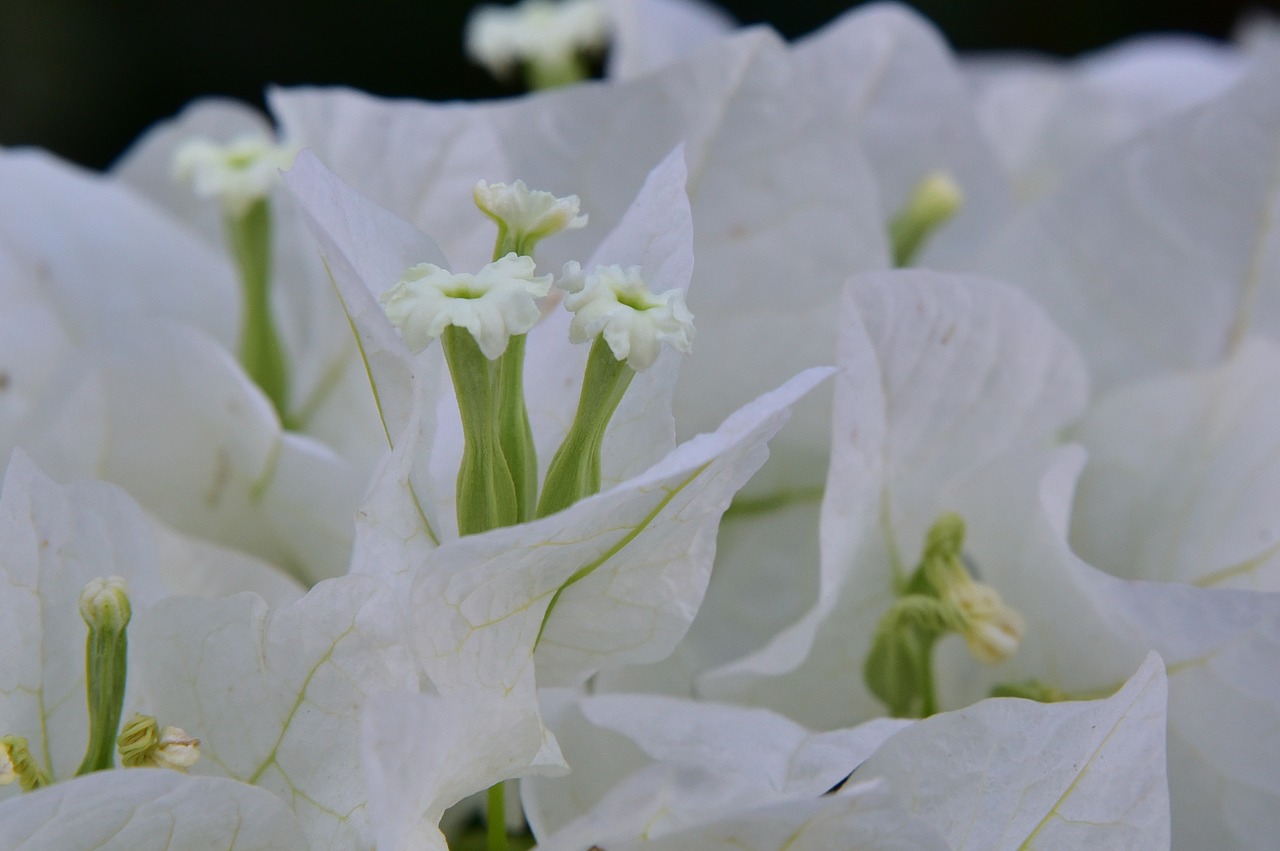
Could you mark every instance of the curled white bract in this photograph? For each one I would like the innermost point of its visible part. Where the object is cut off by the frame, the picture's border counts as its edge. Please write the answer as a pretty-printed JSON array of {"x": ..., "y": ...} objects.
[
  {"x": 493, "y": 304},
  {"x": 527, "y": 214},
  {"x": 502, "y": 37},
  {"x": 617, "y": 303},
  {"x": 237, "y": 173}
]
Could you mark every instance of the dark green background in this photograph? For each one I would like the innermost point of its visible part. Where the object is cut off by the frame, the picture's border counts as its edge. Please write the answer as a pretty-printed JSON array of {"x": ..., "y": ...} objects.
[{"x": 84, "y": 77}]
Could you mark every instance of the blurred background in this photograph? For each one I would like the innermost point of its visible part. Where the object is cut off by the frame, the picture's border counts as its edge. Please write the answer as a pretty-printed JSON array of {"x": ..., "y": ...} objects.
[{"x": 85, "y": 77}]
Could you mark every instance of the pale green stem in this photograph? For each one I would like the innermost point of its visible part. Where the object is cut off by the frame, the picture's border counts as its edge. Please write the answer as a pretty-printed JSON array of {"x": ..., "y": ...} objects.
[
  {"x": 574, "y": 472},
  {"x": 496, "y": 818},
  {"x": 259, "y": 347},
  {"x": 515, "y": 435},
  {"x": 907, "y": 235},
  {"x": 514, "y": 432},
  {"x": 106, "y": 654},
  {"x": 486, "y": 495},
  {"x": 550, "y": 75}
]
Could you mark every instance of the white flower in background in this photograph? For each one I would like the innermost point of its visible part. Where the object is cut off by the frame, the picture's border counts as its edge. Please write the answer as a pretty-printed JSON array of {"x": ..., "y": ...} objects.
[
  {"x": 951, "y": 394},
  {"x": 525, "y": 216},
  {"x": 71, "y": 552},
  {"x": 1048, "y": 119},
  {"x": 1163, "y": 256},
  {"x": 237, "y": 174},
  {"x": 547, "y": 37},
  {"x": 117, "y": 364}
]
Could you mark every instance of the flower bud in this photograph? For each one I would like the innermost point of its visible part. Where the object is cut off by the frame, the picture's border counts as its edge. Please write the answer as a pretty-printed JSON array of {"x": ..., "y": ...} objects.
[
  {"x": 104, "y": 604},
  {"x": 990, "y": 628},
  {"x": 933, "y": 202}
]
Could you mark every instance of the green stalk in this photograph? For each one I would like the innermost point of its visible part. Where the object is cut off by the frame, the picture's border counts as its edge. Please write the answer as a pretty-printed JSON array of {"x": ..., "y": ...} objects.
[
  {"x": 515, "y": 435},
  {"x": 543, "y": 74},
  {"x": 575, "y": 470},
  {"x": 496, "y": 818},
  {"x": 486, "y": 494},
  {"x": 259, "y": 348},
  {"x": 106, "y": 654}
]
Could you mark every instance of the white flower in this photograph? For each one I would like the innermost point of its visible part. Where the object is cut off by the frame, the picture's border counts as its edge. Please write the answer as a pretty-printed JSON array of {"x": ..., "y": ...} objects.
[
  {"x": 118, "y": 330},
  {"x": 950, "y": 398},
  {"x": 613, "y": 579},
  {"x": 617, "y": 303},
  {"x": 502, "y": 37},
  {"x": 494, "y": 304},
  {"x": 237, "y": 173},
  {"x": 527, "y": 215}
]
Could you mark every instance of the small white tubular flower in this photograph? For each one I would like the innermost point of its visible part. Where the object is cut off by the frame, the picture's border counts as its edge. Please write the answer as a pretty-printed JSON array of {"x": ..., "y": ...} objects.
[
  {"x": 237, "y": 173},
  {"x": 617, "y": 303},
  {"x": 502, "y": 37},
  {"x": 527, "y": 214},
  {"x": 494, "y": 304}
]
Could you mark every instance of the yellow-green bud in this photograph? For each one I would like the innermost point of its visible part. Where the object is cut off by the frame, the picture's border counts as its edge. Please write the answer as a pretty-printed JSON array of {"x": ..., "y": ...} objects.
[{"x": 933, "y": 202}]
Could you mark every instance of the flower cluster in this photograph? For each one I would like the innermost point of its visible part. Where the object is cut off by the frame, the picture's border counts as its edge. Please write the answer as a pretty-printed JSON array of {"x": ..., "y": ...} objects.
[{"x": 330, "y": 519}]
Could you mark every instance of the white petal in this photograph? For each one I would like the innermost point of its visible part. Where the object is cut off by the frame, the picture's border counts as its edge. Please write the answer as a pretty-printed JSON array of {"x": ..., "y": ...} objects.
[
  {"x": 1178, "y": 225},
  {"x": 276, "y": 696},
  {"x": 627, "y": 569},
  {"x": 365, "y": 249},
  {"x": 1010, "y": 774},
  {"x": 140, "y": 808},
  {"x": 648, "y": 34},
  {"x": 1183, "y": 479},
  {"x": 754, "y": 747},
  {"x": 425, "y": 753},
  {"x": 915, "y": 118},
  {"x": 71, "y": 240}
]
